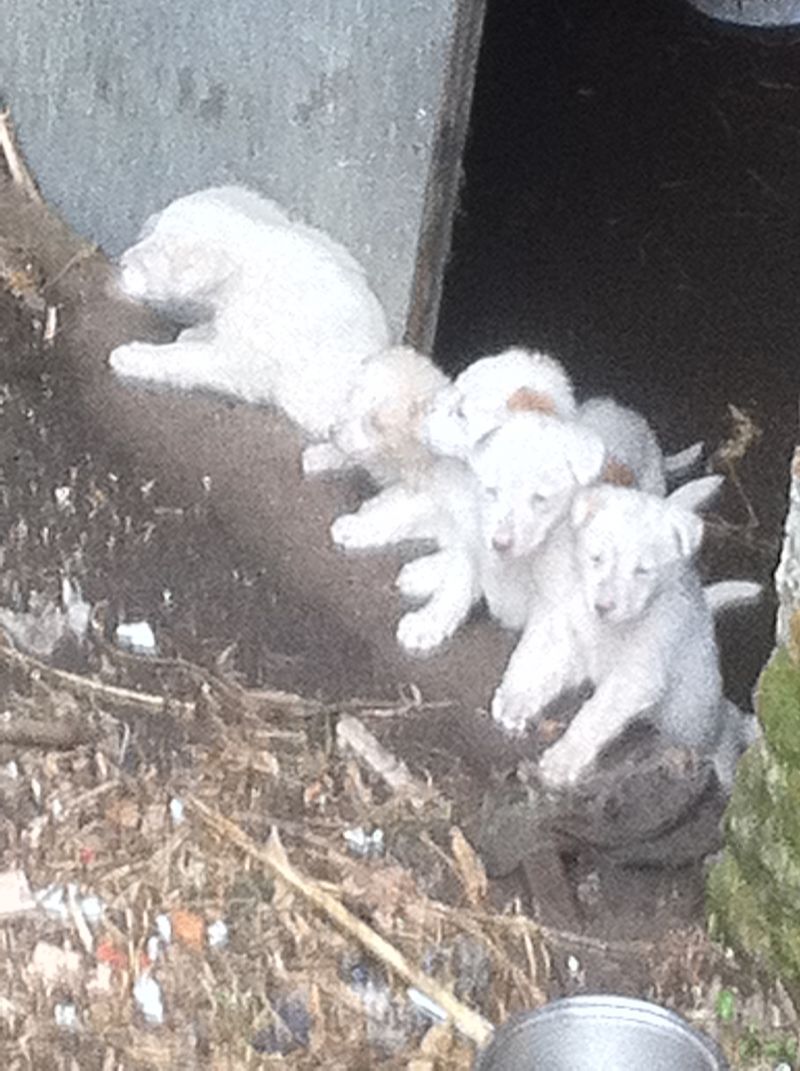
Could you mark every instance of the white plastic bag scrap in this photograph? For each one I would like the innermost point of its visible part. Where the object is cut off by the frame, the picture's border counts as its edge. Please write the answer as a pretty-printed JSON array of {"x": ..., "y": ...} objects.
[
  {"x": 136, "y": 636},
  {"x": 147, "y": 994},
  {"x": 15, "y": 893}
]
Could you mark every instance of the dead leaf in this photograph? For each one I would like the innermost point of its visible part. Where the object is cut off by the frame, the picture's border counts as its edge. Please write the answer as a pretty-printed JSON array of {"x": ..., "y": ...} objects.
[
  {"x": 469, "y": 867},
  {"x": 188, "y": 928},
  {"x": 123, "y": 813}
]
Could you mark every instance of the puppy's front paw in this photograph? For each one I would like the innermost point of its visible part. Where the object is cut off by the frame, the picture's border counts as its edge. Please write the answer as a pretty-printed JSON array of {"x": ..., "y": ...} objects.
[
  {"x": 563, "y": 764},
  {"x": 138, "y": 360},
  {"x": 422, "y": 631},
  {"x": 419, "y": 579},
  {"x": 321, "y": 457},
  {"x": 351, "y": 532},
  {"x": 512, "y": 711}
]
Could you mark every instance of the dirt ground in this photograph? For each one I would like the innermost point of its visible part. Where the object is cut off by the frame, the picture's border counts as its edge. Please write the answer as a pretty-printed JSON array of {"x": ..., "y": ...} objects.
[{"x": 117, "y": 769}]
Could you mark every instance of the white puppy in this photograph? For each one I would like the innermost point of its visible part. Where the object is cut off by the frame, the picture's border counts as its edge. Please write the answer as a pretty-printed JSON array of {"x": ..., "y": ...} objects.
[
  {"x": 380, "y": 427},
  {"x": 289, "y": 316},
  {"x": 637, "y": 625},
  {"x": 528, "y": 470},
  {"x": 486, "y": 393},
  {"x": 424, "y": 497},
  {"x": 634, "y": 456}
]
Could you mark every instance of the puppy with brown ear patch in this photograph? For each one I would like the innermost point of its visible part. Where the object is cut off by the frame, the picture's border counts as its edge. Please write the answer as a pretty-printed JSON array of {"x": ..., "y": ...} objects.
[{"x": 490, "y": 390}]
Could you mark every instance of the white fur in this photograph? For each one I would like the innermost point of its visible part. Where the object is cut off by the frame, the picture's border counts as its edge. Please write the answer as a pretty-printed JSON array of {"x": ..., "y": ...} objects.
[
  {"x": 629, "y": 439},
  {"x": 619, "y": 604},
  {"x": 478, "y": 400},
  {"x": 424, "y": 497},
  {"x": 290, "y": 317},
  {"x": 379, "y": 429},
  {"x": 528, "y": 471}
]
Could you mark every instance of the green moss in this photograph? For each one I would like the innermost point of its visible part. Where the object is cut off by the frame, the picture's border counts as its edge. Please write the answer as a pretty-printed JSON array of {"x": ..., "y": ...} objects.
[
  {"x": 779, "y": 707},
  {"x": 754, "y": 891}
]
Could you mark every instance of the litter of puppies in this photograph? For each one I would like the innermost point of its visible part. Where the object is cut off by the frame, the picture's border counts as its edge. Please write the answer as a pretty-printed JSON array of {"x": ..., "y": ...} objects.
[{"x": 552, "y": 511}]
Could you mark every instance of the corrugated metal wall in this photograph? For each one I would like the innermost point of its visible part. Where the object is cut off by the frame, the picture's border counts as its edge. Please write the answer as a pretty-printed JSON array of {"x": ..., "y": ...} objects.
[{"x": 337, "y": 108}]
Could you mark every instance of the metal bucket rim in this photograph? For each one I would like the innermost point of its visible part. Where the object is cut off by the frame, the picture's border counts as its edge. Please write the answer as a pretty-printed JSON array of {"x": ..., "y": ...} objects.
[{"x": 598, "y": 1007}]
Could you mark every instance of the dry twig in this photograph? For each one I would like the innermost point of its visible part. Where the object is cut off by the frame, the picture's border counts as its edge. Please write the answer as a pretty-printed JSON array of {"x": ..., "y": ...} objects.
[
  {"x": 469, "y": 1023},
  {"x": 15, "y": 162}
]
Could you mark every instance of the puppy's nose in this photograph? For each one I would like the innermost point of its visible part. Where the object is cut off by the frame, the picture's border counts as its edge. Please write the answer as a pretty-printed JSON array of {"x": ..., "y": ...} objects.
[
  {"x": 502, "y": 540},
  {"x": 603, "y": 607}
]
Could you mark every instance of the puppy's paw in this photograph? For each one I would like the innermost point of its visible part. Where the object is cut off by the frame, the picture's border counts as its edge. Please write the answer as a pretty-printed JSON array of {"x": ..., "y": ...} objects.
[
  {"x": 139, "y": 360},
  {"x": 422, "y": 631},
  {"x": 353, "y": 532},
  {"x": 512, "y": 711},
  {"x": 419, "y": 579},
  {"x": 321, "y": 457},
  {"x": 563, "y": 764}
]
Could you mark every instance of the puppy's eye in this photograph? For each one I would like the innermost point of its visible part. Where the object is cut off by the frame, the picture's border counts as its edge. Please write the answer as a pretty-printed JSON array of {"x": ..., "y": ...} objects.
[
  {"x": 490, "y": 492},
  {"x": 536, "y": 499},
  {"x": 641, "y": 570},
  {"x": 459, "y": 412},
  {"x": 596, "y": 559}
]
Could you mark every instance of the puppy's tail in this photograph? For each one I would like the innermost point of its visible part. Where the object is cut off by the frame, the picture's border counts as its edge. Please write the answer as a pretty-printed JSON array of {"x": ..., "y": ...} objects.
[
  {"x": 728, "y": 594},
  {"x": 697, "y": 494},
  {"x": 684, "y": 461}
]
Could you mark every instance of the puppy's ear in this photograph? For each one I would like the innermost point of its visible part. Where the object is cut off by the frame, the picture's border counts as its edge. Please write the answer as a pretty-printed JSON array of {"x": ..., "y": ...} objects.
[
  {"x": 586, "y": 458},
  {"x": 618, "y": 474},
  {"x": 584, "y": 506},
  {"x": 688, "y": 531},
  {"x": 697, "y": 494},
  {"x": 526, "y": 400}
]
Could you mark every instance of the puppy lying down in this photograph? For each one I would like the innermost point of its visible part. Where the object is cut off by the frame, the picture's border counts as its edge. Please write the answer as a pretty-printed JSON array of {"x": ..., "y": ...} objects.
[{"x": 285, "y": 314}]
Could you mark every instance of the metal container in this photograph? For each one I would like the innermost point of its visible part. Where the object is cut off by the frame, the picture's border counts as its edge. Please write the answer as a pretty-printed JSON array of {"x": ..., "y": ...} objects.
[
  {"x": 763, "y": 13},
  {"x": 590, "y": 1033}
]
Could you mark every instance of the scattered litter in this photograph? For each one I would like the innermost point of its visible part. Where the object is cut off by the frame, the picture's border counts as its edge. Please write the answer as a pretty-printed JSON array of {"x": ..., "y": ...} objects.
[
  {"x": 36, "y": 791},
  {"x": 93, "y": 908},
  {"x": 62, "y": 900},
  {"x": 217, "y": 934},
  {"x": 164, "y": 928},
  {"x": 573, "y": 966},
  {"x": 11, "y": 770},
  {"x": 66, "y": 1015},
  {"x": 365, "y": 845},
  {"x": 62, "y": 495},
  {"x": 53, "y": 965},
  {"x": 428, "y": 1007},
  {"x": 188, "y": 928},
  {"x": 153, "y": 948},
  {"x": 290, "y": 1030},
  {"x": 176, "y": 811},
  {"x": 53, "y": 900},
  {"x": 45, "y": 624},
  {"x": 136, "y": 636},
  {"x": 147, "y": 994},
  {"x": 56, "y": 808},
  {"x": 108, "y": 955},
  {"x": 15, "y": 893},
  {"x": 390, "y": 1020}
]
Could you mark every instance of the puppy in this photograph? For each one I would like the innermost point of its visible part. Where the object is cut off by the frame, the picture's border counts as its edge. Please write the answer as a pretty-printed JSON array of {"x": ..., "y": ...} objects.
[
  {"x": 424, "y": 497},
  {"x": 286, "y": 315},
  {"x": 636, "y": 624},
  {"x": 491, "y": 389},
  {"x": 635, "y": 458},
  {"x": 528, "y": 470},
  {"x": 380, "y": 426}
]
